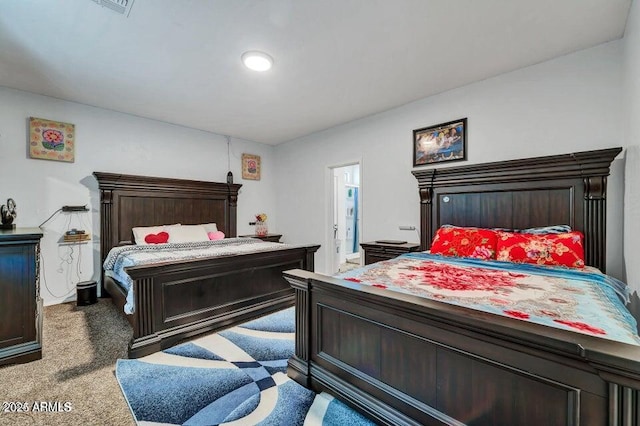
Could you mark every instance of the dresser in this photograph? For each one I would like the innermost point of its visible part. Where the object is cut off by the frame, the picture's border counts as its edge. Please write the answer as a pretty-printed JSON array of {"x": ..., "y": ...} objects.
[
  {"x": 20, "y": 302},
  {"x": 377, "y": 251}
]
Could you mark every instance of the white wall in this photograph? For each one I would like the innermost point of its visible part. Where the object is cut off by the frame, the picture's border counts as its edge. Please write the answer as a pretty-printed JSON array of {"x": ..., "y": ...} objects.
[
  {"x": 573, "y": 103},
  {"x": 631, "y": 69},
  {"x": 108, "y": 141}
]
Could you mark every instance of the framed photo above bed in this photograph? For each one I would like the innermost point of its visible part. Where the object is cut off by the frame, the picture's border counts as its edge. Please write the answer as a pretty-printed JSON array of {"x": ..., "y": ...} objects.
[
  {"x": 440, "y": 143},
  {"x": 250, "y": 167},
  {"x": 51, "y": 140}
]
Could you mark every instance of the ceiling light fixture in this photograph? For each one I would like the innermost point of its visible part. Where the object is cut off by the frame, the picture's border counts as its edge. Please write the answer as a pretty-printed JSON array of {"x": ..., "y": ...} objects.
[{"x": 257, "y": 61}]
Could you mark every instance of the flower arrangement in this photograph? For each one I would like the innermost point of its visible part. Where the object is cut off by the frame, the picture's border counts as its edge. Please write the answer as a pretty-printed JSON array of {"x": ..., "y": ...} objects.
[{"x": 261, "y": 224}]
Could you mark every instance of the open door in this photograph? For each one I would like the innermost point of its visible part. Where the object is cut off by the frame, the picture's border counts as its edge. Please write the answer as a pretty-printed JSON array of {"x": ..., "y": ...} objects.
[
  {"x": 337, "y": 246},
  {"x": 346, "y": 213}
]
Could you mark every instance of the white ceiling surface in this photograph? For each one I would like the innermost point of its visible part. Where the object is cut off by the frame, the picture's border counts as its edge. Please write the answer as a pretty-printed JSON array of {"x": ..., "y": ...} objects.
[{"x": 335, "y": 60}]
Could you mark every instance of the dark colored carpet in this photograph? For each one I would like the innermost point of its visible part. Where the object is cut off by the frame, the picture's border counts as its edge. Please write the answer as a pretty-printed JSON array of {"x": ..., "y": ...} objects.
[{"x": 80, "y": 349}]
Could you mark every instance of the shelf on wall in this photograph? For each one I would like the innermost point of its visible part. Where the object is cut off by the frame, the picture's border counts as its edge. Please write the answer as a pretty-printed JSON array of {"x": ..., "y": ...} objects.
[{"x": 75, "y": 239}]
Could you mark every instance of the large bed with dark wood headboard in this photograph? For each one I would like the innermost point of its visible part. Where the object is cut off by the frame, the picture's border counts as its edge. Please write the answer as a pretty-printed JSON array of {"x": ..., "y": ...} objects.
[
  {"x": 403, "y": 359},
  {"x": 178, "y": 300}
]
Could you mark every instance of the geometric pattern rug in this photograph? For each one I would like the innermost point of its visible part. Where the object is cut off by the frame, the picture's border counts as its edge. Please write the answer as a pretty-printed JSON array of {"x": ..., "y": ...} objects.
[{"x": 233, "y": 377}]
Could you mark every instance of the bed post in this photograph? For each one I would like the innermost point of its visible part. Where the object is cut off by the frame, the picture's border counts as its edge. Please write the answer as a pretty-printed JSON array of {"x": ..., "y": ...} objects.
[
  {"x": 309, "y": 262},
  {"x": 233, "y": 207},
  {"x": 425, "y": 218},
  {"x": 425, "y": 189},
  {"x": 298, "y": 364},
  {"x": 106, "y": 204},
  {"x": 145, "y": 340}
]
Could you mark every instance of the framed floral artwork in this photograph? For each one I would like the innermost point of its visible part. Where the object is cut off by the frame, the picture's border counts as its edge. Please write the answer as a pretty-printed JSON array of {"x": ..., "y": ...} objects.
[
  {"x": 51, "y": 140},
  {"x": 250, "y": 167},
  {"x": 439, "y": 143}
]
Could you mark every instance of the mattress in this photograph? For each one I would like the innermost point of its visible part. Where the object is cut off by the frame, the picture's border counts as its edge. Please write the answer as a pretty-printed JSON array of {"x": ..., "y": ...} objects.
[{"x": 120, "y": 258}]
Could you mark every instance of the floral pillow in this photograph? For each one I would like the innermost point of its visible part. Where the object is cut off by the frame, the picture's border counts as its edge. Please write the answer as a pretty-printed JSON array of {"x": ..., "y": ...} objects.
[
  {"x": 465, "y": 242},
  {"x": 564, "y": 249}
]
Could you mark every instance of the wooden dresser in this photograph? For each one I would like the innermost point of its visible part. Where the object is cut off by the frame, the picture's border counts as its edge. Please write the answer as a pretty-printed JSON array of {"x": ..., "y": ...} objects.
[
  {"x": 20, "y": 302},
  {"x": 376, "y": 251}
]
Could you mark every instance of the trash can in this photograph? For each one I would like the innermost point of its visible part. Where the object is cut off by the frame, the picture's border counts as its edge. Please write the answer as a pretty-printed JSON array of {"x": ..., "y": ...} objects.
[{"x": 87, "y": 293}]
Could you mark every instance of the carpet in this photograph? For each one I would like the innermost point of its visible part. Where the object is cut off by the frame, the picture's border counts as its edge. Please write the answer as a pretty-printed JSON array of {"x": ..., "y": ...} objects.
[{"x": 234, "y": 377}]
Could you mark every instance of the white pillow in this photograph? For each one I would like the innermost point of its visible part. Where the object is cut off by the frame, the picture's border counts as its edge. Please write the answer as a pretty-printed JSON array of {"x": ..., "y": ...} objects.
[
  {"x": 187, "y": 234},
  {"x": 140, "y": 232},
  {"x": 210, "y": 227}
]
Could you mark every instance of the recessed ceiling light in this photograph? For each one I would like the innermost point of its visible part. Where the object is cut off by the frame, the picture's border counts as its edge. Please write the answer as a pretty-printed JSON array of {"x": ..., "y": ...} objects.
[{"x": 257, "y": 61}]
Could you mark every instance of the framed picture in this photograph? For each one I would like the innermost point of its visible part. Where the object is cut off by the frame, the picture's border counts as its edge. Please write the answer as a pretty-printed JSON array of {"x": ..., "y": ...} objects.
[
  {"x": 51, "y": 140},
  {"x": 250, "y": 167},
  {"x": 442, "y": 142}
]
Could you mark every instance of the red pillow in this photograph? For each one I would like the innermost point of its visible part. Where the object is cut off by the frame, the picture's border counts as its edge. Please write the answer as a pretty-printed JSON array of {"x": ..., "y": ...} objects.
[
  {"x": 564, "y": 249},
  {"x": 159, "y": 238},
  {"x": 465, "y": 242}
]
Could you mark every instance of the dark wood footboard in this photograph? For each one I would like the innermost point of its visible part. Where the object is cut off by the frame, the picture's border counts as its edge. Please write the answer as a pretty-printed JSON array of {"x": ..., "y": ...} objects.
[
  {"x": 178, "y": 300},
  {"x": 402, "y": 359}
]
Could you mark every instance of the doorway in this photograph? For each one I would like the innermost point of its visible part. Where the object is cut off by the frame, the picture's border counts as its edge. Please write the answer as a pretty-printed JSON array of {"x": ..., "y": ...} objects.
[{"x": 347, "y": 211}]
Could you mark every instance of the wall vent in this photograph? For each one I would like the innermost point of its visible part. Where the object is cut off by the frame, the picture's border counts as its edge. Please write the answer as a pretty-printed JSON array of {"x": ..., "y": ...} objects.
[{"x": 122, "y": 7}]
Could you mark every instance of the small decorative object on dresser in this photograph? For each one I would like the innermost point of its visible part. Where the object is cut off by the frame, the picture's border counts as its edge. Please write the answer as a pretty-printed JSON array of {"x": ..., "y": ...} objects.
[
  {"x": 8, "y": 214},
  {"x": 261, "y": 225},
  {"x": 386, "y": 249}
]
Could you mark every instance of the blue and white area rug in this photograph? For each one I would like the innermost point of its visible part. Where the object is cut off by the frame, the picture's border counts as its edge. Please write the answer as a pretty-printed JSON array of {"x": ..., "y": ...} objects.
[{"x": 234, "y": 377}]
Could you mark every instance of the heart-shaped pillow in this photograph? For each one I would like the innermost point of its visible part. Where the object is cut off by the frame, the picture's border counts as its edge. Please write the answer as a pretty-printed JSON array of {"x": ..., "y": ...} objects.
[{"x": 159, "y": 238}]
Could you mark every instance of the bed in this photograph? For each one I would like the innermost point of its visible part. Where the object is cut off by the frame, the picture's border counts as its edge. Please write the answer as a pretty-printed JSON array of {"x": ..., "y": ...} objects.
[
  {"x": 177, "y": 300},
  {"x": 403, "y": 359}
]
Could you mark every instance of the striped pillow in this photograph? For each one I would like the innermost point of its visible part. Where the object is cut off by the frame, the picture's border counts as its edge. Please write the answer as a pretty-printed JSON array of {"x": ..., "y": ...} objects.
[{"x": 553, "y": 229}]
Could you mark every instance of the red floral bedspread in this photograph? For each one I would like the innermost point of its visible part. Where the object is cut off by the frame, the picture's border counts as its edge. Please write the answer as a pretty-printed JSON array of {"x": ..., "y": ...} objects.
[{"x": 579, "y": 300}]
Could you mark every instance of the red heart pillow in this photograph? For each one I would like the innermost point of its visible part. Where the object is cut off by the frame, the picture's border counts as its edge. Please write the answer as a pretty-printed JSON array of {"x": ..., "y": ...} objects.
[{"x": 159, "y": 238}]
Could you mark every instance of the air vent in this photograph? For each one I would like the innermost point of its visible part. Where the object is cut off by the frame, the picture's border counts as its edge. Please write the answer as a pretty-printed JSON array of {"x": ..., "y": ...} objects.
[{"x": 123, "y": 7}]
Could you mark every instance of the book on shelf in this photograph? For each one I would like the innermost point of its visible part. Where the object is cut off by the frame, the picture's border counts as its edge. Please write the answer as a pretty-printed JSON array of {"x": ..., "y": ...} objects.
[{"x": 74, "y": 238}]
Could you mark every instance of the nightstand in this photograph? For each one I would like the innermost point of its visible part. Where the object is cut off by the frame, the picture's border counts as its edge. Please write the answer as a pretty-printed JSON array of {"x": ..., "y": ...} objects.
[
  {"x": 375, "y": 252},
  {"x": 273, "y": 238}
]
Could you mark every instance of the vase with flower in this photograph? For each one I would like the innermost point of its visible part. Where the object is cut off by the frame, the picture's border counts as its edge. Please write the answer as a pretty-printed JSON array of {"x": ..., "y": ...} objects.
[{"x": 261, "y": 225}]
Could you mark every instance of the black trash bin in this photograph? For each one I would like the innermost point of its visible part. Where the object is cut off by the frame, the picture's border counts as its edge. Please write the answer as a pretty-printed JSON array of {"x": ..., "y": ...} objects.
[{"x": 87, "y": 293}]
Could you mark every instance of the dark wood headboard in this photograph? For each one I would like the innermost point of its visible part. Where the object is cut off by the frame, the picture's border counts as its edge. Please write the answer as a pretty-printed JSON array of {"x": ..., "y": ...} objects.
[
  {"x": 128, "y": 201},
  {"x": 560, "y": 189}
]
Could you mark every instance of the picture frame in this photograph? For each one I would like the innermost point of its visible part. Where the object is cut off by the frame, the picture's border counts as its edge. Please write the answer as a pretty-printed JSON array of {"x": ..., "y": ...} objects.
[
  {"x": 250, "y": 167},
  {"x": 440, "y": 143},
  {"x": 51, "y": 140}
]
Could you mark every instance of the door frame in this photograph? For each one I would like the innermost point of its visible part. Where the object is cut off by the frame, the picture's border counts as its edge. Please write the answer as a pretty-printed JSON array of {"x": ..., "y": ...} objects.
[{"x": 329, "y": 203}]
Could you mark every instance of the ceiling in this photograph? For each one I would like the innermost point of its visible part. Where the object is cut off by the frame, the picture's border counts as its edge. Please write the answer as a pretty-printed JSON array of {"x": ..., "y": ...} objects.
[{"x": 334, "y": 60}]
